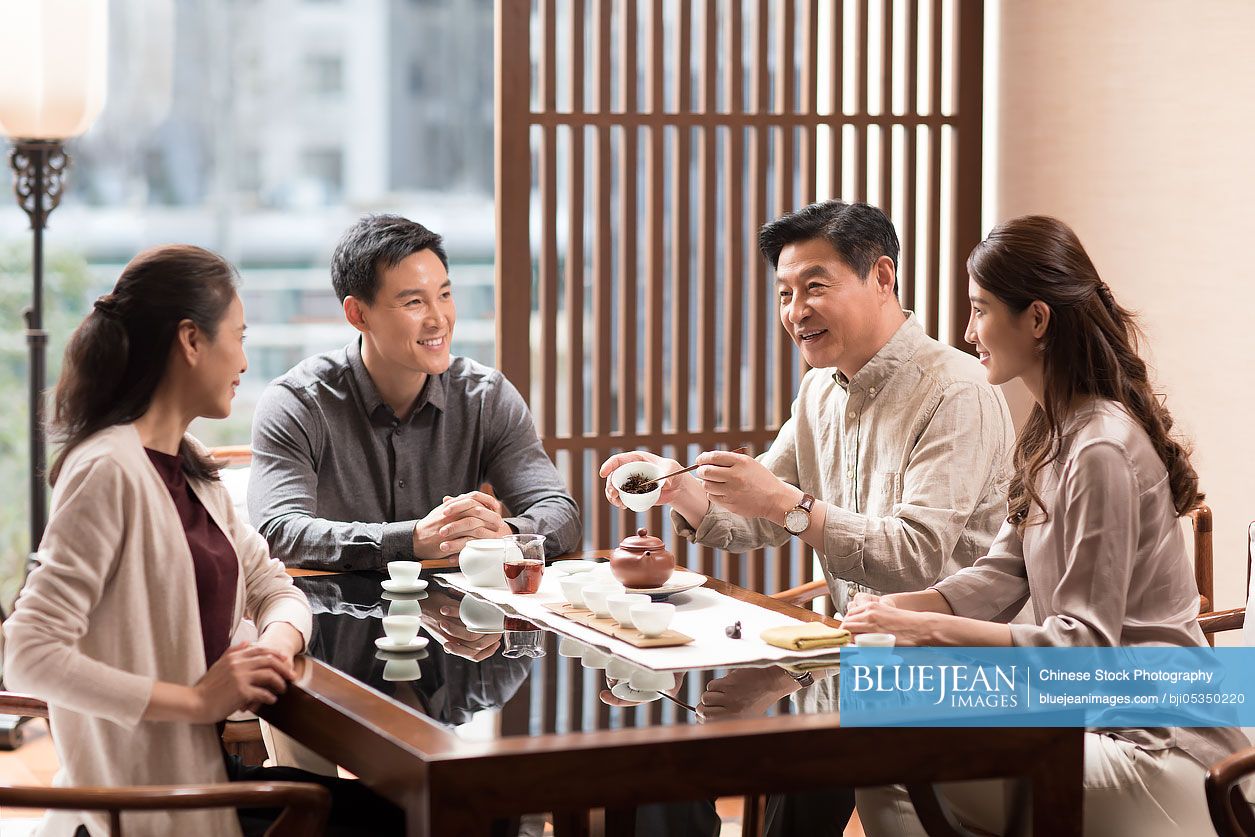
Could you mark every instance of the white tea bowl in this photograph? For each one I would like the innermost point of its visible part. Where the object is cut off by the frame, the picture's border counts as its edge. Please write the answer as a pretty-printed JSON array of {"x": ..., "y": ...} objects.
[
  {"x": 621, "y": 603},
  {"x": 401, "y": 629},
  {"x": 648, "y": 470},
  {"x": 405, "y": 573},
  {"x": 652, "y": 619},
  {"x": 595, "y": 596}
]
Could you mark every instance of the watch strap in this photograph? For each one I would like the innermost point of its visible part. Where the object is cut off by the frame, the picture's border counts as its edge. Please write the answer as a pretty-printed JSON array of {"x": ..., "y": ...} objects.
[{"x": 803, "y": 679}]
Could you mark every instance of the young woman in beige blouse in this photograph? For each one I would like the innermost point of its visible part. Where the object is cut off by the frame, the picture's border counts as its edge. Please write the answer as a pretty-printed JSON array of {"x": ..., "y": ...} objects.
[
  {"x": 1092, "y": 535},
  {"x": 128, "y": 626}
]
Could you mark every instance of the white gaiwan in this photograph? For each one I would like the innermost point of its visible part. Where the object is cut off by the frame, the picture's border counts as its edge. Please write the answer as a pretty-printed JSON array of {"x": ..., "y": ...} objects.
[
  {"x": 648, "y": 470},
  {"x": 482, "y": 561}
]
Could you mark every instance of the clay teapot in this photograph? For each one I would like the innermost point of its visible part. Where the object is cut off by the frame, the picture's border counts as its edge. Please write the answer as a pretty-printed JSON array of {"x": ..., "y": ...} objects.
[{"x": 642, "y": 561}]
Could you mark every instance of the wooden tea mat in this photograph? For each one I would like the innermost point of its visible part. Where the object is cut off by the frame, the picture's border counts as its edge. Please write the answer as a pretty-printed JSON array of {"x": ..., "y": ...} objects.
[{"x": 608, "y": 626}]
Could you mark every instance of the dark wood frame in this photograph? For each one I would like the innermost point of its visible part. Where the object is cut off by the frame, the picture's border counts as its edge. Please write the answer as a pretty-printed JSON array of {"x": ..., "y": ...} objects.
[
  {"x": 450, "y": 786},
  {"x": 718, "y": 85},
  {"x": 305, "y": 806}
]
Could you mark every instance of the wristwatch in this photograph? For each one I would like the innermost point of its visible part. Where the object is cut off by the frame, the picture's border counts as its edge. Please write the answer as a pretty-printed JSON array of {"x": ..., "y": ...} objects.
[
  {"x": 803, "y": 679},
  {"x": 798, "y": 518}
]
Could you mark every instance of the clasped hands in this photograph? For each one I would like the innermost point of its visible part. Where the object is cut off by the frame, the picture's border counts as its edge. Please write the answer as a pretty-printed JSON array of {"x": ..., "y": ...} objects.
[
  {"x": 872, "y": 614},
  {"x": 448, "y": 527}
]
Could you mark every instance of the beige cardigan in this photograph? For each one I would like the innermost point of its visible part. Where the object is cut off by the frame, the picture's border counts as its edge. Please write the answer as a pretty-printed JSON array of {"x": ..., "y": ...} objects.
[{"x": 110, "y": 609}]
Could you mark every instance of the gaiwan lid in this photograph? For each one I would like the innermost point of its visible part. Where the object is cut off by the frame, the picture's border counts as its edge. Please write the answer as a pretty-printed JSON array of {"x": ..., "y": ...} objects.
[{"x": 642, "y": 541}]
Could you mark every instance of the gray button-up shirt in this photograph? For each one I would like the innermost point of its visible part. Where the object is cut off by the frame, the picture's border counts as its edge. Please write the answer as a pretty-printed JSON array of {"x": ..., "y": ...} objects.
[
  {"x": 338, "y": 482},
  {"x": 912, "y": 453}
]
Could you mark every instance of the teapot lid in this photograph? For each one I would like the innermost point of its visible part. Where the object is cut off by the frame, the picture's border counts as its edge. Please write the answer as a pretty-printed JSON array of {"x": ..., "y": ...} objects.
[{"x": 641, "y": 541}]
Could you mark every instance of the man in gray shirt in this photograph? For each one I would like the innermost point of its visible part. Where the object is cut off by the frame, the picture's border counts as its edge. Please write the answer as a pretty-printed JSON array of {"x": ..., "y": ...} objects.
[{"x": 375, "y": 452}]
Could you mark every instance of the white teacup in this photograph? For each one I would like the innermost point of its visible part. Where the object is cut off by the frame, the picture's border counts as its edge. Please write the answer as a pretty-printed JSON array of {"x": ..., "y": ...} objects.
[
  {"x": 621, "y": 603},
  {"x": 573, "y": 587},
  {"x": 571, "y": 647},
  {"x": 402, "y": 630},
  {"x": 648, "y": 470},
  {"x": 401, "y": 670},
  {"x": 595, "y": 596},
  {"x": 620, "y": 669},
  {"x": 404, "y": 607},
  {"x": 875, "y": 646},
  {"x": 647, "y": 680},
  {"x": 405, "y": 573},
  {"x": 480, "y": 616},
  {"x": 594, "y": 658},
  {"x": 652, "y": 619}
]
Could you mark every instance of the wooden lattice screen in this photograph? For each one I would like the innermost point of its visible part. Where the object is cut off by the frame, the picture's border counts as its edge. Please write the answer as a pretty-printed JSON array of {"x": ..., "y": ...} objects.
[{"x": 640, "y": 144}]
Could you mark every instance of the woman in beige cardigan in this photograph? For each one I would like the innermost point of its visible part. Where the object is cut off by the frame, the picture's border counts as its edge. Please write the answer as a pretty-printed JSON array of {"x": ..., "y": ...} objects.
[
  {"x": 145, "y": 571},
  {"x": 1092, "y": 536}
]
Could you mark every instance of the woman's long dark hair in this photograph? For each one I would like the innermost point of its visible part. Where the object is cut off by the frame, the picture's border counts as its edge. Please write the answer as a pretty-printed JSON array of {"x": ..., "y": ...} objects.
[
  {"x": 1089, "y": 349},
  {"x": 117, "y": 357}
]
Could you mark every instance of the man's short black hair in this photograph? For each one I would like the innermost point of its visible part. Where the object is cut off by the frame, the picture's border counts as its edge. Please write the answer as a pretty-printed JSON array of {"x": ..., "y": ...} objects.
[
  {"x": 375, "y": 243},
  {"x": 859, "y": 232}
]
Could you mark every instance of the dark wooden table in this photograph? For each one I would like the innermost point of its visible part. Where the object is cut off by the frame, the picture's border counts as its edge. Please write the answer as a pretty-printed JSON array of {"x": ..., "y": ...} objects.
[{"x": 448, "y": 785}]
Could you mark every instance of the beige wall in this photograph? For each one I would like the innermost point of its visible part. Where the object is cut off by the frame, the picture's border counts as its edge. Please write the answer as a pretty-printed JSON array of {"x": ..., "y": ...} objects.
[{"x": 1134, "y": 121}]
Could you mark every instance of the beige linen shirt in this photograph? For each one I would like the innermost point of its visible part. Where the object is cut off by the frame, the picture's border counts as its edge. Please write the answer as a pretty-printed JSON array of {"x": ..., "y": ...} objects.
[
  {"x": 911, "y": 453},
  {"x": 110, "y": 610},
  {"x": 1108, "y": 567}
]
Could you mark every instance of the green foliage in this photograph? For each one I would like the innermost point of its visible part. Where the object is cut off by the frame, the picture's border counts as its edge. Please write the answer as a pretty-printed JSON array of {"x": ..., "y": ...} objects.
[{"x": 66, "y": 299}]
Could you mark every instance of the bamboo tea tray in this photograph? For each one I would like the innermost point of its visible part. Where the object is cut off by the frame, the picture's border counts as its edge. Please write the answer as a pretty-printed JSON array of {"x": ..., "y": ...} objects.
[{"x": 609, "y": 627}]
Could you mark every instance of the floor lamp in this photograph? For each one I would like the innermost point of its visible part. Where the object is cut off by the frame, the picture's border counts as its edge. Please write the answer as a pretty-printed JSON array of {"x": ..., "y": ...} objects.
[{"x": 53, "y": 77}]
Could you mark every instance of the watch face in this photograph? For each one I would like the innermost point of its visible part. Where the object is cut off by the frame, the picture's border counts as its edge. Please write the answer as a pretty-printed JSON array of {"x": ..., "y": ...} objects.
[{"x": 796, "y": 521}]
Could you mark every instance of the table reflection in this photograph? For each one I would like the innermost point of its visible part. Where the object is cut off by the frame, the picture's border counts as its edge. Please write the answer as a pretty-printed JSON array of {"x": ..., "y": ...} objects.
[
  {"x": 482, "y": 657},
  {"x": 449, "y": 680}
]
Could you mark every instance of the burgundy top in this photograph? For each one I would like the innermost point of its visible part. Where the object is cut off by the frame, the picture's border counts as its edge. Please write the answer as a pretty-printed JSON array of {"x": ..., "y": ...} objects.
[{"x": 213, "y": 557}]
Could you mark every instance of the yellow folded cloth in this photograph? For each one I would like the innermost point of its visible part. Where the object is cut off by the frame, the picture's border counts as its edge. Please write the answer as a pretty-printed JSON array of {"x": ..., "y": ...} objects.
[{"x": 806, "y": 637}]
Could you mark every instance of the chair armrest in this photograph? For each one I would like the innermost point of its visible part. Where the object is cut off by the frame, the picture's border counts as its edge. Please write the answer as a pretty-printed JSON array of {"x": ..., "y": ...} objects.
[
  {"x": 12, "y": 703},
  {"x": 233, "y": 455},
  {"x": 1222, "y": 620},
  {"x": 1230, "y": 812},
  {"x": 803, "y": 594},
  {"x": 304, "y": 805}
]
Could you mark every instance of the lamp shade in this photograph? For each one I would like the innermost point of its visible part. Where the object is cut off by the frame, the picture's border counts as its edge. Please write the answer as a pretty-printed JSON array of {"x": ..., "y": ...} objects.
[{"x": 53, "y": 66}]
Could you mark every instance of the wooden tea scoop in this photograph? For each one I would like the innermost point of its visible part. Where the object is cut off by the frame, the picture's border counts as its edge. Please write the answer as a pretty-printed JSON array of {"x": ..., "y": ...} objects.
[{"x": 691, "y": 468}]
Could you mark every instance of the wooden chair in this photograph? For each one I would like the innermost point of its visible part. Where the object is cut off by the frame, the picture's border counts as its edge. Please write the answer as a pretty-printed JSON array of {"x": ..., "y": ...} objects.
[
  {"x": 233, "y": 456},
  {"x": 304, "y": 806},
  {"x": 1231, "y": 813}
]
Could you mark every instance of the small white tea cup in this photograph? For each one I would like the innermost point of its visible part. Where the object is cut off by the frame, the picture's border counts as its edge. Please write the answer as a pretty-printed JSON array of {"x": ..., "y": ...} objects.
[
  {"x": 573, "y": 587},
  {"x": 404, "y": 607},
  {"x": 405, "y": 573},
  {"x": 648, "y": 470},
  {"x": 621, "y": 603},
  {"x": 401, "y": 670},
  {"x": 401, "y": 629},
  {"x": 571, "y": 647},
  {"x": 875, "y": 646},
  {"x": 647, "y": 680},
  {"x": 594, "y": 658},
  {"x": 652, "y": 619},
  {"x": 620, "y": 669},
  {"x": 595, "y": 596}
]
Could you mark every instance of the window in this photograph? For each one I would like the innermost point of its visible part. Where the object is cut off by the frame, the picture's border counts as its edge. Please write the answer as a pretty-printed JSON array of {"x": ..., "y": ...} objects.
[
  {"x": 325, "y": 74},
  {"x": 324, "y": 169}
]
